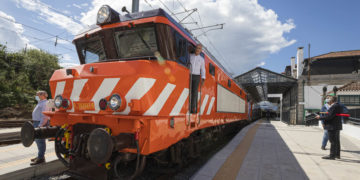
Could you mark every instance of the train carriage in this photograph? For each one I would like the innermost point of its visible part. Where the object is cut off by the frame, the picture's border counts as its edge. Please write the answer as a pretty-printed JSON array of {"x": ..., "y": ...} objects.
[{"x": 130, "y": 96}]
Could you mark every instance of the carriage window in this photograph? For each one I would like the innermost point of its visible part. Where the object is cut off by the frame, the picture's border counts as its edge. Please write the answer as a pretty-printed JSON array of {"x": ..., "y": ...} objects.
[
  {"x": 136, "y": 42},
  {"x": 92, "y": 50},
  {"x": 181, "y": 49},
  {"x": 211, "y": 69},
  {"x": 229, "y": 83}
]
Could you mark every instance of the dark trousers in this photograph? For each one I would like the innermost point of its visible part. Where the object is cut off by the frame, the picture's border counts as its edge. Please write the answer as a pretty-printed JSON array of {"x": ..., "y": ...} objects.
[
  {"x": 41, "y": 144},
  {"x": 334, "y": 138},
  {"x": 194, "y": 92}
]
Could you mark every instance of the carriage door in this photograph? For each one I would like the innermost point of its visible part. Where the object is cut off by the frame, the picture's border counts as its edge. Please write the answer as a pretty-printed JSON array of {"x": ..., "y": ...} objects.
[{"x": 182, "y": 51}]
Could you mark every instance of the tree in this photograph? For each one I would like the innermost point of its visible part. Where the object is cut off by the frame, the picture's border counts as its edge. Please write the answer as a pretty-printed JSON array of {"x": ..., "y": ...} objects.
[{"x": 22, "y": 74}]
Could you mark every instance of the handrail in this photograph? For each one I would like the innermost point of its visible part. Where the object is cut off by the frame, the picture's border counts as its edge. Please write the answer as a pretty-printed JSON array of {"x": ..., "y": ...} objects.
[{"x": 355, "y": 121}]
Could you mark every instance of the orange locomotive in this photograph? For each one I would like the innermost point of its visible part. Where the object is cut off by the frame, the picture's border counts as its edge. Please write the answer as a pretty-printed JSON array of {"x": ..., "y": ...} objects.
[{"x": 130, "y": 98}]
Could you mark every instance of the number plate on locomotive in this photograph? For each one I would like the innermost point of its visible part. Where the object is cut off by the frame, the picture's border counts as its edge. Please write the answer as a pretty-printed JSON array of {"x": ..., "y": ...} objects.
[{"x": 84, "y": 106}]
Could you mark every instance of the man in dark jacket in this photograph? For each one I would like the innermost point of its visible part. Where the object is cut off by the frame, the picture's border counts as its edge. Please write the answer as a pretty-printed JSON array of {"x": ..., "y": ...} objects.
[{"x": 333, "y": 124}]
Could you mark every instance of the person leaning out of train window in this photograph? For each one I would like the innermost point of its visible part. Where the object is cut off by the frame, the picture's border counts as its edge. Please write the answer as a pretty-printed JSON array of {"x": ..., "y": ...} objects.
[
  {"x": 323, "y": 111},
  {"x": 197, "y": 75},
  {"x": 333, "y": 124},
  {"x": 40, "y": 120}
]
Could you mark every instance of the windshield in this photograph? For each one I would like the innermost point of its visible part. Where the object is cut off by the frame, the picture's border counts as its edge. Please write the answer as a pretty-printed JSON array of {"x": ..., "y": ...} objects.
[
  {"x": 92, "y": 50},
  {"x": 137, "y": 42}
]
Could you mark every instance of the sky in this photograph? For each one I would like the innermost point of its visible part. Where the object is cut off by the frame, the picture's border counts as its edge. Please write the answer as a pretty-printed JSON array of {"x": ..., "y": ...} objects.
[{"x": 263, "y": 33}]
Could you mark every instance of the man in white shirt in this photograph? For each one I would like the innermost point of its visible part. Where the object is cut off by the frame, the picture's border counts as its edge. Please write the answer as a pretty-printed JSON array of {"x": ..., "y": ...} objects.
[{"x": 197, "y": 70}]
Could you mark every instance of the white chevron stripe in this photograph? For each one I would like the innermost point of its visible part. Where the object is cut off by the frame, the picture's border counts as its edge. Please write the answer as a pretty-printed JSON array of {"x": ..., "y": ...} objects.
[
  {"x": 59, "y": 88},
  {"x": 106, "y": 87},
  {"x": 137, "y": 91},
  {"x": 203, "y": 104},
  {"x": 76, "y": 91},
  {"x": 199, "y": 97},
  {"x": 180, "y": 102},
  {"x": 210, "y": 105},
  {"x": 160, "y": 101}
]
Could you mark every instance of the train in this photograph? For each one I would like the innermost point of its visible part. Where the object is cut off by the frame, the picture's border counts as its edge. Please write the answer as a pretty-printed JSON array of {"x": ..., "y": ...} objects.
[{"x": 128, "y": 101}]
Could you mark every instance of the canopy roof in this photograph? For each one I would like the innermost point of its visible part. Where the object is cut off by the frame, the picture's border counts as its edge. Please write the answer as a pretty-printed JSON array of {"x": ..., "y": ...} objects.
[{"x": 260, "y": 82}]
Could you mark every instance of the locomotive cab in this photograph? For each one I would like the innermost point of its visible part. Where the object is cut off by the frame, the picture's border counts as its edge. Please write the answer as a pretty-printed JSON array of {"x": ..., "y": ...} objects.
[{"x": 129, "y": 97}]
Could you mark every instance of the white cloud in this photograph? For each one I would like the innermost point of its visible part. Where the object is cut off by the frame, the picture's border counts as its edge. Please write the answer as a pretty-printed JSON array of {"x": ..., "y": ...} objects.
[
  {"x": 77, "y": 6},
  {"x": 261, "y": 64},
  {"x": 50, "y": 15},
  {"x": 251, "y": 32},
  {"x": 66, "y": 58},
  {"x": 11, "y": 33},
  {"x": 80, "y": 6},
  {"x": 67, "y": 65}
]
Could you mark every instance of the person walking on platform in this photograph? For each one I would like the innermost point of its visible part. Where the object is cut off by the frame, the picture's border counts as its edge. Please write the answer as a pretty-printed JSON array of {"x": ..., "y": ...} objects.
[
  {"x": 323, "y": 111},
  {"x": 197, "y": 70},
  {"x": 40, "y": 120},
  {"x": 268, "y": 115},
  {"x": 332, "y": 123}
]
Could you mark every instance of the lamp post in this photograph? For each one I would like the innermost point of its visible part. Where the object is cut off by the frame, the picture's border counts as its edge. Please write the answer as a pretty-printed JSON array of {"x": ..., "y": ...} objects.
[
  {"x": 324, "y": 96},
  {"x": 335, "y": 89}
]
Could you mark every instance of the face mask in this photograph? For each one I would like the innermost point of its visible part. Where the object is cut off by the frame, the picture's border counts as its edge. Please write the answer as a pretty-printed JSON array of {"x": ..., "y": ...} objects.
[
  {"x": 37, "y": 98},
  {"x": 327, "y": 100}
]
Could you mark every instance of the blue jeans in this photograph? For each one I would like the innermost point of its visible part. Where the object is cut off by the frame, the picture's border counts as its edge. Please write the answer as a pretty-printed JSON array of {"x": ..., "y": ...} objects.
[
  {"x": 325, "y": 138},
  {"x": 40, "y": 143}
]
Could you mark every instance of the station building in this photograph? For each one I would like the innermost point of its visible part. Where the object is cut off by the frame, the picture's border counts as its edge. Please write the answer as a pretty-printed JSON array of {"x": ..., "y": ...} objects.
[
  {"x": 320, "y": 75},
  {"x": 301, "y": 89}
]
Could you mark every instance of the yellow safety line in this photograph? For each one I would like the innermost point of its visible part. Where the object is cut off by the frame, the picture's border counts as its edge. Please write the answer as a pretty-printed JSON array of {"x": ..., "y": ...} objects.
[
  {"x": 20, "y": 161},
  {"x": 9, "y": 149},
  {"x": 230, "y": 169}
]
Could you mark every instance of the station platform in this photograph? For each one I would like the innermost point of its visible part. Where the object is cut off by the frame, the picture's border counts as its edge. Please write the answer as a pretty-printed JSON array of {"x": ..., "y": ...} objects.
[
  {"x": 274, "y": 150},
  {"x": 15, "y": 161}
]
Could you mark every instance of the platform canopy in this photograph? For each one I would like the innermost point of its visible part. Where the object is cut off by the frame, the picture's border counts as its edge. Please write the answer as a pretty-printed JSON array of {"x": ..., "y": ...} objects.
[{"x": 260, "y": 82}]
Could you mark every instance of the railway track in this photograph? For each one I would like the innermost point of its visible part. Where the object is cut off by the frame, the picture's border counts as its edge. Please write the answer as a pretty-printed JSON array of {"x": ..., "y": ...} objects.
[
  {"x": 10, "y": 138},
  {"x": 12, "y": 123}
]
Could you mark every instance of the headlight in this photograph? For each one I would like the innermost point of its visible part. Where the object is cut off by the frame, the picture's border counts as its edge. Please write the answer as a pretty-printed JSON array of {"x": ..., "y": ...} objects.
[
  {"x": 61, "y": 102},
  {"x": 103, "y": 14},
  {"x": 58, "y": 101},
  {"x": 107, "y": 15},
  {"x": 115, "y": 102}
]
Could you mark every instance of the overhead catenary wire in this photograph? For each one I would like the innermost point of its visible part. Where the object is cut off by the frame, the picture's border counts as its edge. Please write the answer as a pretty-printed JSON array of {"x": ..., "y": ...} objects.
[
  {"x": 39, "y": 39},
  {"x": 44, "y": 32},
  {"x": 149, "y": 4},
  {"x": 207, "y": 38},
  {"x": 168, "y": 9},
  {"x": 194, "y": 10},
  {"x": 58, "y": 11}
]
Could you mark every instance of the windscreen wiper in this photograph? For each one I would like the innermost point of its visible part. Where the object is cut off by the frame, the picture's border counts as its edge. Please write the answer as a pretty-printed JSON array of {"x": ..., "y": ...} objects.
[{"x": 142, "y": 39}]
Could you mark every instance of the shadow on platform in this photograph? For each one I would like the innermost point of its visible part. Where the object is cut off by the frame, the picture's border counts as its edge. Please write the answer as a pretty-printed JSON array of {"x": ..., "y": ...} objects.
[{"x": 270, "y": 158}]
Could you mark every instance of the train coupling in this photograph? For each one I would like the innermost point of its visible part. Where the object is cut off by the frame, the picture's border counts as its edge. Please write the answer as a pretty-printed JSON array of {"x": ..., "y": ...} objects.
[
  {"x": 101, "y": 144},
  {"x": 29, "y": 133}
]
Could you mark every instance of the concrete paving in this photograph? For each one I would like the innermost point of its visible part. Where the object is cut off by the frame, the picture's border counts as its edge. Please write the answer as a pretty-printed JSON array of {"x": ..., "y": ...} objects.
[
  {"x": 279, "y": 151},
  {"x": 17, "y": 157}
]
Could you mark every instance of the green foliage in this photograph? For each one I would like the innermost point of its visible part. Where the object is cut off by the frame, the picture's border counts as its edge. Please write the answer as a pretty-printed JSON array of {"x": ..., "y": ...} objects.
[{"x": 22, "y": 74}]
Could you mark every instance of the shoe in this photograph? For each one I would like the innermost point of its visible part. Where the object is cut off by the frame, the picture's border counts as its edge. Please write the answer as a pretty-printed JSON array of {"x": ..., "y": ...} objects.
[
  {"x": 33, "y": 159},
  {"x": 38, "y": 161},
  {"x": 323, "y": 148},
  {"x": 337, "y": 157},
  {"x": 329, "y": 157}
]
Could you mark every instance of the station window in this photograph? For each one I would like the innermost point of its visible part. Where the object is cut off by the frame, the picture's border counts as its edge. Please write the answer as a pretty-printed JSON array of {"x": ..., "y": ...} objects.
[
  {"x": 229, "y": 83},
  {"x": 181, "y": 49},
  {"x": 350, "y": 100},
  {"x": 211, "y": 69}
]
